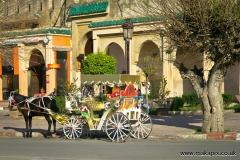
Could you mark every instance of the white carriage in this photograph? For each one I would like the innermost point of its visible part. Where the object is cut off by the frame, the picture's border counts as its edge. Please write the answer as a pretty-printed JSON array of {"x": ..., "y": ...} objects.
[{"x": 119, "y": 115}]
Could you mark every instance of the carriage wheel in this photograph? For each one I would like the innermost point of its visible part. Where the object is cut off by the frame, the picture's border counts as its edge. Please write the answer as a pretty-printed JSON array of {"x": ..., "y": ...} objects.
[
  {"x": 118, "y": 127},
  {"x": 142, "y": 127},
  {"x": 72, "y": 128}
]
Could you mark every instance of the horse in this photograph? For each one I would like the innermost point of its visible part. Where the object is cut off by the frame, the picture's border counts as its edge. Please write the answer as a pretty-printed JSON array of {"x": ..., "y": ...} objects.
[{"x": 31, "y": 107}]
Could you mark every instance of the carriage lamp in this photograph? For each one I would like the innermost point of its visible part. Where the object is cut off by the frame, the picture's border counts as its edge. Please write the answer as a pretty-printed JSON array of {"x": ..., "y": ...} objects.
[{"x": 127, "y": 35}]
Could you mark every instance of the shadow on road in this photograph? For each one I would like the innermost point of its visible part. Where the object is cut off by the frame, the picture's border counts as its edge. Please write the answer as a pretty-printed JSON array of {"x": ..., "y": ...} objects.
[{"x": 182, "y": 121}]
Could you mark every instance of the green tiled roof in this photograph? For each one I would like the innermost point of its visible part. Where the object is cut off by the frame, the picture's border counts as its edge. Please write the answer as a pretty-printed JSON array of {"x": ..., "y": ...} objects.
[
  {"x": 121, "y": 21},
  {"x": 89, "y": 8},
  {"x": 40, "y": 31}
]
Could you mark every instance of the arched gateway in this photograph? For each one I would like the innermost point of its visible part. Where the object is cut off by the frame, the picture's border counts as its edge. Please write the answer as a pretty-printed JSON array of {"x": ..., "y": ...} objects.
[{"x": 36, "y": 73}]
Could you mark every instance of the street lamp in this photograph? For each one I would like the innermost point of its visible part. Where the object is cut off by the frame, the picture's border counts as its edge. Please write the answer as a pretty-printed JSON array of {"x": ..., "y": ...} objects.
[
  {"x": 127, "y": 35},
  {"x": 162, "y": 36}
]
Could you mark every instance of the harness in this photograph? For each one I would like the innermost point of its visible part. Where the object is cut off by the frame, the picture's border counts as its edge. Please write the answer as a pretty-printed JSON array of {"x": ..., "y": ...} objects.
[{"x": 28, "y": 102}]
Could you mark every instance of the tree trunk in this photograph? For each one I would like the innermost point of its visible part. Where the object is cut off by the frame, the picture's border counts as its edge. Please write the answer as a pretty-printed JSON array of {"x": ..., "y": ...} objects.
[
  {"x": 213, "y": 116},
  {"x": 211, "y": 101}
]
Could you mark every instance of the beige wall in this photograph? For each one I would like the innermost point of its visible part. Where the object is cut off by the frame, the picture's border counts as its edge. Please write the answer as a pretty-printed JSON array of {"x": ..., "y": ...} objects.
[
  {"x": 103, "y": 37},
  {"x": 231, "y": 85}
]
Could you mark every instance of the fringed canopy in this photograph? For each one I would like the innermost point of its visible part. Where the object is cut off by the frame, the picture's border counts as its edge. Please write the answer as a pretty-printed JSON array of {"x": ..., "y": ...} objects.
[{"x": 112, "y": 80}]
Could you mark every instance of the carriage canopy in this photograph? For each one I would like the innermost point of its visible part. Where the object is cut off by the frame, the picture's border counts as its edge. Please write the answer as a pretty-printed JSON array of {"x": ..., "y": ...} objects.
[
  {"x": 107, "y": 84},
  {"x": 110, "y": 79}
]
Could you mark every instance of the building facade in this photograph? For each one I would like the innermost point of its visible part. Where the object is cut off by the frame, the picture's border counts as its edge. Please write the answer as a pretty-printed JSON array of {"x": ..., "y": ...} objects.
[
  {"x": 49, "y": 39},
  {"x": 35, "y": 46},
  {"x": 98, "y": 26}
]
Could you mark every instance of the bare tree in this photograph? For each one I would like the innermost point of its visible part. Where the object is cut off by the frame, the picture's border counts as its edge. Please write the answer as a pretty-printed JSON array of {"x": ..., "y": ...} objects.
[
  {"x": 18, "y": 16},
  {"x": 11, "y": 12},
  {"x": 207, "y": 29},
  {"x": 149, "y": 66}
]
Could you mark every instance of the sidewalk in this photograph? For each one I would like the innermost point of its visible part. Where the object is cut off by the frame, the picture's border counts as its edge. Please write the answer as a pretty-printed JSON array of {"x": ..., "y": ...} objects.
[{"x": 164, "y": 127}]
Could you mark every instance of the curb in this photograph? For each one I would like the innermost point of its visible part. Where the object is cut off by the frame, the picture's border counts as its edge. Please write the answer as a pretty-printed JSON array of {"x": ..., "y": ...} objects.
[
  {"x": 213, "y": 136},
  {"x": 3, "y": 108},
  {"x": 195, "y": 112},
  {"x": 19, "y": 134}
]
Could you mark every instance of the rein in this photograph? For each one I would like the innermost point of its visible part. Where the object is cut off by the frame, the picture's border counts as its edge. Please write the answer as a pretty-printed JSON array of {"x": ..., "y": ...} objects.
[
  {"x": 37, "y": 106},
  {"x": 34, "y": 110}
]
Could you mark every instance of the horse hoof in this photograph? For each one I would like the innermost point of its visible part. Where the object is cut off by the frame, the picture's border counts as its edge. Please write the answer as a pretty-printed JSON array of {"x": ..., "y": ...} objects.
[
  {"x": 48, "y": 137},
  {"x": 54, "y": 135}
]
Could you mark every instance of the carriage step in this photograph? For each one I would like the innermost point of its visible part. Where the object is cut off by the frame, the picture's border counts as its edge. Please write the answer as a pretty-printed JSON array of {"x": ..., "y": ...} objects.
[{"x": 96, "y": 119}]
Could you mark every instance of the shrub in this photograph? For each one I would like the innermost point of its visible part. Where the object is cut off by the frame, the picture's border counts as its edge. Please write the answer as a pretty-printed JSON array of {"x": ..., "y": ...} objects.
[
  {"x": 65, "y": 87},
  {"x": 60, "y": 100},
  {"x": 227, "y": 99},
  {"x": 191, "y": 99},
  {"x": 99, "y": 63},
  {"x": 163, "y": 91},
  {"x": 177, "y": 103}
]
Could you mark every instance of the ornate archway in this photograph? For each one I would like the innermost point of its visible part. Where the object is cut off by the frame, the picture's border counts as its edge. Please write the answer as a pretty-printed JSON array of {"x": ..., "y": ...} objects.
[
  {"x": 116, "y": 51},
  {"x": 36, "y": 73},
  {"x": 149, "y": 48},
  {"x": 89, "y": 44}
]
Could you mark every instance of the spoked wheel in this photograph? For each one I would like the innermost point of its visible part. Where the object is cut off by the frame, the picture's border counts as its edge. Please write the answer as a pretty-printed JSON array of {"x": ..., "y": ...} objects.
[
  {"x": 72, "y": 128},
  {"x": 142, "y": 127},
  {"x": 118, "y": 127}
]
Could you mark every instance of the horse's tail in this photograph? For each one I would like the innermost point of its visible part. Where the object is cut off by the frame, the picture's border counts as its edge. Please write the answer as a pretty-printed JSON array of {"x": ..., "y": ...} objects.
[{"x": 54, "y": 106}]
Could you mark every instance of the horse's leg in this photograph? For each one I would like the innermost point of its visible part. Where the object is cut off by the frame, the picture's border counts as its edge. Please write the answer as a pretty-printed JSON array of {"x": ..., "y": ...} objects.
[
  {"x": 47, "y": 117},
  {"x": 30, "y": 126},
  {"x": 27, "y": 129},
  {"x": 54, "y": 126}
]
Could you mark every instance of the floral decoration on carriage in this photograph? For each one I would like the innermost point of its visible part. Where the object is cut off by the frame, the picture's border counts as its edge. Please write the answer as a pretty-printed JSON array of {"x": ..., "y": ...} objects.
[{"x": 83, "y": 110}]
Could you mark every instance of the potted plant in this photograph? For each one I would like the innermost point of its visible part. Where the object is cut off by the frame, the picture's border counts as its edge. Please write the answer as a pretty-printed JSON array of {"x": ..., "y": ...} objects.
[{"x": 163, "y": 92}]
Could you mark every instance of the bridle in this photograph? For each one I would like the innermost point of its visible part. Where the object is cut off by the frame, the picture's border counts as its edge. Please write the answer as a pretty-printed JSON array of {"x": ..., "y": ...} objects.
[{"x": 12, "y": 101}]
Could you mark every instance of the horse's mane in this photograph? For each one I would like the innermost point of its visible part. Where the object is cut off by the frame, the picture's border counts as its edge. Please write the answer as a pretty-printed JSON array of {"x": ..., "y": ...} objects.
[
  {"x": 54, "y": 106},
  {"x": 19, "y": 98}
]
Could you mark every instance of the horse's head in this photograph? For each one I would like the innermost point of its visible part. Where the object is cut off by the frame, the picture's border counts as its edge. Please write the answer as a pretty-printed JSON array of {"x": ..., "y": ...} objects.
[
  {"x": 11, "y": 100},
  {"x": 15, "y": 98}
]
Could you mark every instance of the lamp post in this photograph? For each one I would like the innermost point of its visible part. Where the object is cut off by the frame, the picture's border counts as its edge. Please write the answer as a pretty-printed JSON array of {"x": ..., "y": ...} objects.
[
  {"x": 46, "y": 39},
  {"x": 162, "y": 36},
  {"x": 127, "y": 35}
]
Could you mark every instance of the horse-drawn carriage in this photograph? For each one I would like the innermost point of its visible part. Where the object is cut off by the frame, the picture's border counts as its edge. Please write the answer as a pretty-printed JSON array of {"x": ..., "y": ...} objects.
[{"x": 118, "y": 113}]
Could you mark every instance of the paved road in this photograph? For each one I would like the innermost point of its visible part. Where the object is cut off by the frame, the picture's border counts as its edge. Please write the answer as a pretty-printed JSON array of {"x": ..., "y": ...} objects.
[{"x": 62, "y": 149}]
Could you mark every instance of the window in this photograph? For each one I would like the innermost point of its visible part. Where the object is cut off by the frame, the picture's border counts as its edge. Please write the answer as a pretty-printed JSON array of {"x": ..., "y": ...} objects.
[
  {"x": 51, "y": 4},
  {"x": 40, "y": 6},
  {"x": 62, "y": 73},
  {"x": 17, "y": 9},
  {"x": 29, "y": 7},
  {"x": 7, "y": 10}
]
